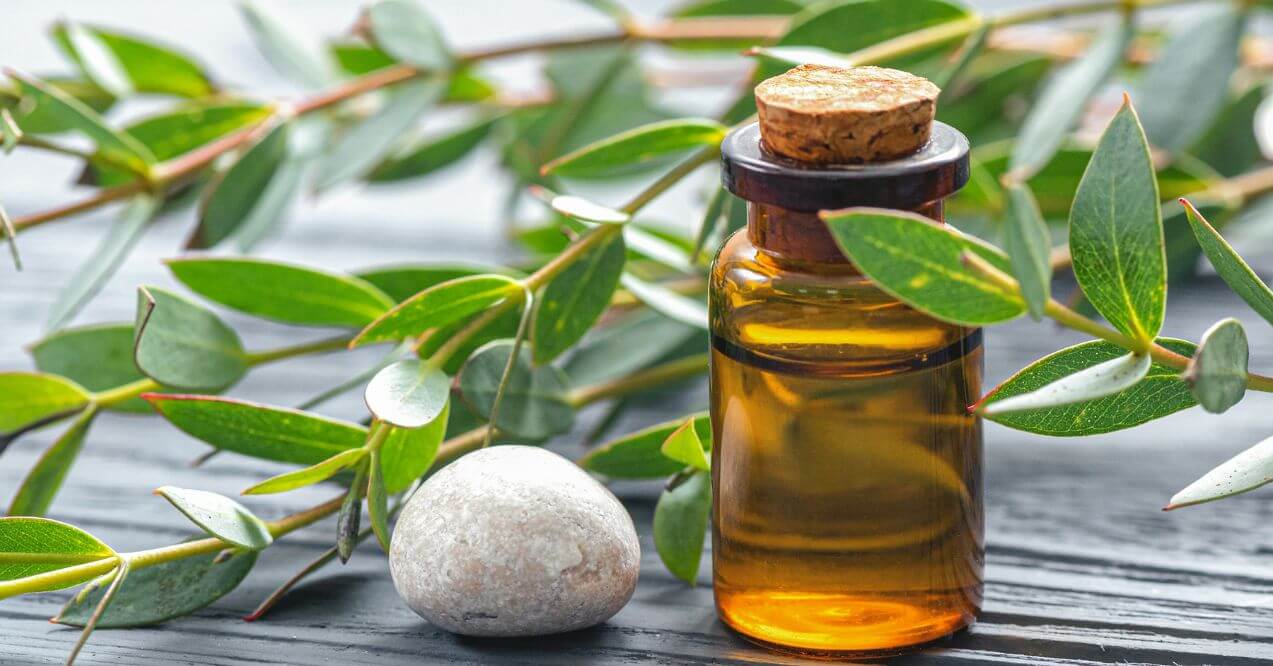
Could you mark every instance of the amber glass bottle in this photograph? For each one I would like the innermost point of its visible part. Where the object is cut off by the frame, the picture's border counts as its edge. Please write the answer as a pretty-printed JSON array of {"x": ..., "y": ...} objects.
[{"x": 846, "y": 470}]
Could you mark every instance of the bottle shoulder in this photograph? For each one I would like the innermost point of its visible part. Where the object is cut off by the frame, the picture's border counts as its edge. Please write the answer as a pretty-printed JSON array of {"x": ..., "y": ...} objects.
[{"x": 814, "y": 312}]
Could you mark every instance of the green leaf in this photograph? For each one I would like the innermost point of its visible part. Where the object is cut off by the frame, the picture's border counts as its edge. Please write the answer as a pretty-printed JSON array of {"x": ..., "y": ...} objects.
[
  {"x": 1229, "y": 144},
  {"x": 405, "y": 31},
  {"x": 576, "y": 298},
  {"x": 356, "y": 59},
  {"x": 147, "y": 66},
  {"x": 437, "y": 306},
  {"x": 580, "y": 208},
  {"x": 637, "y": 146},
  {"x": 680, "y": 523},
  {"x": 184, "y": 345},
  {"x": 95, "y": 60},
  {"x": 32, "y": 399},
  {"x": 920, "y": 262},
  {"x": 220, "y": 517},
  {"x": 403, "y": 282},
  {"x": 982, "y": 107},
  {"x": 309, "y": 475},
  {"x": 846, "y": 26},
  {"x": 639, "y": 455},
  {"x": 102, "y": 264},
  {"x": 241, "y": 190},
  {"x": 365, "y": 144},
  {"x": 265, "y": 217},
  {"x": 35, "y": 495},
  {"x": 635, "y": 342},
  {"x": 96, "y": 357},
  {"x": 282, "y": 292},
  {"x": 1186, "y": 86},
  {"x": 1158, "y": 394},
  {"x": 260, "y": 431},
  {"x": 1098, "y": 381},
  {"x": 35, "y": 119},
  {"x": 31, "y": 546},
  {"x": 408, "y": 453},
  {"x": 174, "y": 133},
  {"x": 1217, "y": 373},
  {"x": 1064, "y": 98},
  {"x": 1116, "y": 233},
  {"x": 717, "y": 211},
  {"x": 378, "y": 502},
  {"x": 1055, "y": 184},
  {"x": 505, "y": 325},
  {"x": 684, "y": 446},
  {"x": 164, "y": 591},
  {"x": 70, "y": 112},
  {"x": 1244, "y": 472},
  {"x": 534, "y": 404},
  {"x": 1029, "y": 247},
  {"x": 433, "y": 153},
  {"x": 289, "y": 51},
  {"x": 1231, "y": 267},
  {"x": 408, "y": 394},
  {"x": 666, "y": 302}
]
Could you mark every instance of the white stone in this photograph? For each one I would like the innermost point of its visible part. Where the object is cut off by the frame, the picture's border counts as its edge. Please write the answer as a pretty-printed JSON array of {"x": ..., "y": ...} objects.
[{"x": 514, "y": 541}]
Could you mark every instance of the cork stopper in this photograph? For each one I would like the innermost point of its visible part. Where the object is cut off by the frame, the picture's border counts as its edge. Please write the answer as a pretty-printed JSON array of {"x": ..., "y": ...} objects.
[{"x": 845, "y": 115}]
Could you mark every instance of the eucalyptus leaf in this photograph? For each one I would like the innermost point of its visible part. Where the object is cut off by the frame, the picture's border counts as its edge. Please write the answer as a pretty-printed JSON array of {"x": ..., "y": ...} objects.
[
  {"x": 632, "y": 343},
  {"x": 437, "y": 306},
  {"x": 32, "y": 399},
  {"x": 32, "y": 546},
  {"x": 164, "y": 591},
  {"x": 639, "y": 455},
  {"x": 1242, "y": 473},
  {"x": 846, "y": 26},
  {"x": 666, "y": 302},
  {"x": 576, "y": 298},
  {"x": 365, "y": 144},
  {"x": 984, "y": 106},
  {"x": 104, "y": 261},
  {"x": 1116, "y": 232},
  {"x": 401, "y": 282},
  {"x": 309, "y": 475},
  {"x": 1098, "y": 381},
  {"x": 408, "y": 394},
  {"x": 257, "y": 430},
  {"x": 1229, "y": 145},
  {"x": 716, "y": 212},
  {"x": 1159, "y": 393},
  {"x": 48, "y": 119},
  {"x": 636, "y": 146},
  {"x": 347, "y": 521},
  {"x": 97, "y": 61},
  {"x": 1186, "y": 86},
  {"x": 1217, "y": 373},
  {"x": 378, "y": 502},
  {"x": 39, "y": 487},
  {"x": 680, "y": 523},
  {"x": 407, "y": 453},
  {"x": 241, "y": 190},
  {"x": 655, "y": 246},
  {"x": 1064, "y": 98},
  {"x": 433, "y": 153},
  {"x": 404, "y": 30},
  {"x": 147, "y": 66},
  {"x": 1029, "y": 247},
  {"x": 684, "y": 446},
  {"x": 504, "y": 325},
  {"x": 920, "y": 263},
  {"x": 70, "y": 112},
  {"x": 183, "y": 345},
  {"x": 291, "y": 53},
  {"x": 219, "y": 516},
  {"x": 534, "y": 403},
  {"x": 1231, "y": 267},
  {"x": 174, "y": 133},
  {"x": 582, "y": 209},
  {"x": 283, "y": 292},
  {"x": 265, "y": 217},
  {"x": 97, "y": 357}
]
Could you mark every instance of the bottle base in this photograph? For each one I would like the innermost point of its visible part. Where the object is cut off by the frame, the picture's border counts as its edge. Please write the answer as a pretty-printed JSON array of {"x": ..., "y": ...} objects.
[{"x": 832, "y": 626}]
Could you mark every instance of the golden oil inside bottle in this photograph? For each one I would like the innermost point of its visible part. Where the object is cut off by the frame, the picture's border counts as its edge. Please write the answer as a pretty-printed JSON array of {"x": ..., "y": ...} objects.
[{"x": 846, "y": 465}]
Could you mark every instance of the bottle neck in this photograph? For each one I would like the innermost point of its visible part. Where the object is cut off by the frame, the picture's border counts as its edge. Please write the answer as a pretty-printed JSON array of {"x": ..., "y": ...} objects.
[{"x": 789, "y": 237}]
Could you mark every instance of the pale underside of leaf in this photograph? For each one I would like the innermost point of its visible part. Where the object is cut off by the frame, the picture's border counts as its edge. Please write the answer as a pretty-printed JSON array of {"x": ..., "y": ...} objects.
[
  {"x": 1097, "y": 381},
  {"x": 1244, "y": 472}
]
